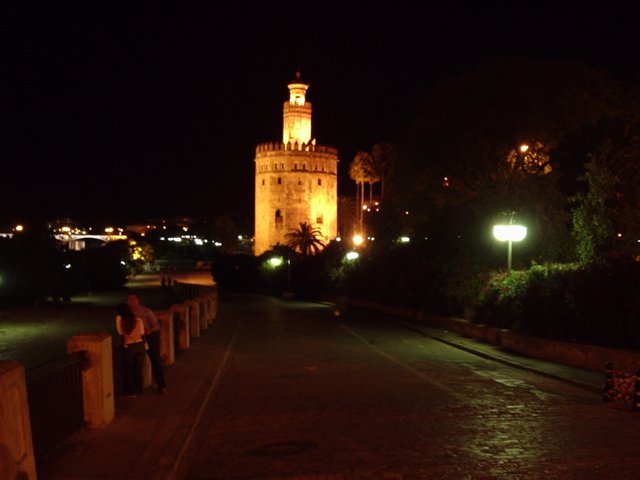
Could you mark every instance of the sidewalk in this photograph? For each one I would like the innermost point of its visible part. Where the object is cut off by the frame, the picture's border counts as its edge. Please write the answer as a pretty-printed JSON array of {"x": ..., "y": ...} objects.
[
  {"x": 150, "y": 434},
  {"x": 585, "y": 379}
]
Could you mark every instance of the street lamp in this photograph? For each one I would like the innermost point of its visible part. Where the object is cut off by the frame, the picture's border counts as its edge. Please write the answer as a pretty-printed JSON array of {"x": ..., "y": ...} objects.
[
  {"x": 275, "y": 261},
  {"x": 509, "y": 233}
]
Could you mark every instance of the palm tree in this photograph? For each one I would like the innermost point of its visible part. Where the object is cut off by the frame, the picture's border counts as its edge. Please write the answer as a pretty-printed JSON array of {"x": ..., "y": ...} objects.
[
  {"x": 384, "y": 155},
  {"x": 306, "y": 239},
  {"x": 361, "y": 171}
]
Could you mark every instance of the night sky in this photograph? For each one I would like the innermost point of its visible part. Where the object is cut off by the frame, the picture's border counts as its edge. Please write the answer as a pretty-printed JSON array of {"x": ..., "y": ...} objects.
[{"x": 121, "y": 113}]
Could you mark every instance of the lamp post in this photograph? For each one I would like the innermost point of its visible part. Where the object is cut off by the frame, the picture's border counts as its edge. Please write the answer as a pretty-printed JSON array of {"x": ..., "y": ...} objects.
[{"x": 509, "y": 233}]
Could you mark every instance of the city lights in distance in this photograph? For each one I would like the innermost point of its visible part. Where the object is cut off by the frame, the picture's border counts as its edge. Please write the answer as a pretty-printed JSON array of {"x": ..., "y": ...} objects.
[
  {"x": 19, "y": 228},
  {"x": 357, "y": 239}
]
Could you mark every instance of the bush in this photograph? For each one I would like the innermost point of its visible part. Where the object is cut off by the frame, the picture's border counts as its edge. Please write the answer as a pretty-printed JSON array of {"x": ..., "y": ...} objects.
[
  {"x": 236, "y": 271},
  {"x": 31, "y": 268},
  {"x": 500, "y": 302},
  {"x": 545, "y": 311},
  {"x": 605, "y": 297}
]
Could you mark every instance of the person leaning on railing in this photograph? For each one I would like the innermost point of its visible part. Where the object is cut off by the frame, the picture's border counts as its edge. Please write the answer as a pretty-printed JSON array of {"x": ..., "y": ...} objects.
[
  {"x": 131, "y": 329},
  {"x": 152, "y": 334}
]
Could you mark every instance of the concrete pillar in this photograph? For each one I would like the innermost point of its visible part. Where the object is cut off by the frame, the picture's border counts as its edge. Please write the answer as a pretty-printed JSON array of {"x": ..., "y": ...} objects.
[
  {"x": 211, "y": 307},
  {"x": 97, "y": 377},
  {"x": 181, "y": 315},
  {"x": 202, "y": 308},
  {"x": 215, "y": 304},
  {"x": 211, "y": 313},
  {"x": 147, "y": 374},
  {"x": 194, "y": 317},
  {"x": 167, "y": 352},
  {"x": 16, "y": 445}
]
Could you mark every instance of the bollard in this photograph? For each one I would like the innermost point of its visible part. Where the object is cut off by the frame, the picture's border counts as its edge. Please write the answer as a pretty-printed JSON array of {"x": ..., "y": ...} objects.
[
  {"x": 636, "y": 393},
  {"x": 607, "y": 389}
]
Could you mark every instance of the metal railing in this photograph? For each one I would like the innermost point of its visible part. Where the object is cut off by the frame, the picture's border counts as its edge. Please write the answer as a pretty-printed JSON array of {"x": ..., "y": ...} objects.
[{"x": 56, "y": 409}]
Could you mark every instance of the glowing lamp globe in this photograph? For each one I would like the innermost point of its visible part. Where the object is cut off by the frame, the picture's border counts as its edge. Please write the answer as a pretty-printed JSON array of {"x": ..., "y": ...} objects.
[
  {"x": 275, "y": 261},
  {"x": 513, "y": 233},
  {"x": 352, "y": 255}
]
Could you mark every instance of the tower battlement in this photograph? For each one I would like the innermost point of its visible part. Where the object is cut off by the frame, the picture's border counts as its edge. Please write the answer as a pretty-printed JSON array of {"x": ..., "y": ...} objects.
[{"x": 295, "y": 146}]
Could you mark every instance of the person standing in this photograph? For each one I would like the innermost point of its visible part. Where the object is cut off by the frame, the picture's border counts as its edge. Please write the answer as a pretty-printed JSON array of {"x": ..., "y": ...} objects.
[
  {"x": 152, "y": 334},
  {"x": 131, "y": 329}
]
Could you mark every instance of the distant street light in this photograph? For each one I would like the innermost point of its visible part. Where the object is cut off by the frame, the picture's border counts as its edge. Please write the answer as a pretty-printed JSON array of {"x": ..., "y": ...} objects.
[
  {"x": 352, "y": 255},
  {"x": 275, "y": 261},
  {"x": 509, "y": 233}
]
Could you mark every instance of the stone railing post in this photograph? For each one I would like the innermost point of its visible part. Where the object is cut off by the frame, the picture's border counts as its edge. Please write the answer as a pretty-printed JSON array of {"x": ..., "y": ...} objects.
[
  {"x": 17, "y": 459},
  {"x": 210, "y": 311},
  {"x": 202, "y": 308},
  {"x": 214, "y": 304},
  {"x": 167, "y": 351},
  {"x": 147, "y": 374},
  {"x": 194, "y": 317},
  {"x": 181, "y": 315},
  {"x": 97, "y": 377}
]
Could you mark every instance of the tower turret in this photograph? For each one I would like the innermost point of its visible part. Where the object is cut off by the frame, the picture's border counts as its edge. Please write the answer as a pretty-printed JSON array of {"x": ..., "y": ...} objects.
[{"x": 296, "y": 125}]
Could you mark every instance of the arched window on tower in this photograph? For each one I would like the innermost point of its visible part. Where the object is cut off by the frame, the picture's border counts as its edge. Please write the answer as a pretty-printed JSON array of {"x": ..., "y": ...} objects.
[
  {"x": 319, "y": 181},
  {"x": 279, "y": 181},
  {"x": 279, "y": 218}
]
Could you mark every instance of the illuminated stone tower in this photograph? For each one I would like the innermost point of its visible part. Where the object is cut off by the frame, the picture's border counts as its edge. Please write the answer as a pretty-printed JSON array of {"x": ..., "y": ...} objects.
[{"x": 296, "y": 180}]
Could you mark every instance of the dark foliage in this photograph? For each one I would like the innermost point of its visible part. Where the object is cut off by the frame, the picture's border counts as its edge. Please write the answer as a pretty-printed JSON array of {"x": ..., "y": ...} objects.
[
  {"x": 103, "y": 266},
  {"x": 598, "y": 303},
  {"x": 30, "y": 268},
  {"x": 236, "y": 271}
]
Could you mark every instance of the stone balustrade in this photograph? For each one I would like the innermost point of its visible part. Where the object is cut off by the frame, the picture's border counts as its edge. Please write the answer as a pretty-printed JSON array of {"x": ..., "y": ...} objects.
[{"x": 17, "y": 458}]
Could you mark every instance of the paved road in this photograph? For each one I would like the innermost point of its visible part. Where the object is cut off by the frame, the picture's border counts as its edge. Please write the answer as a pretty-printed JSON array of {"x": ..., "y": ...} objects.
[{"x": 308, "y": 395}]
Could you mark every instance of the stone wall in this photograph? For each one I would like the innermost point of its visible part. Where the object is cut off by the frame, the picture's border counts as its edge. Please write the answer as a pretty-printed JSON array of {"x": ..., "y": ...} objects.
[{"x": 588, "y": 357}]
